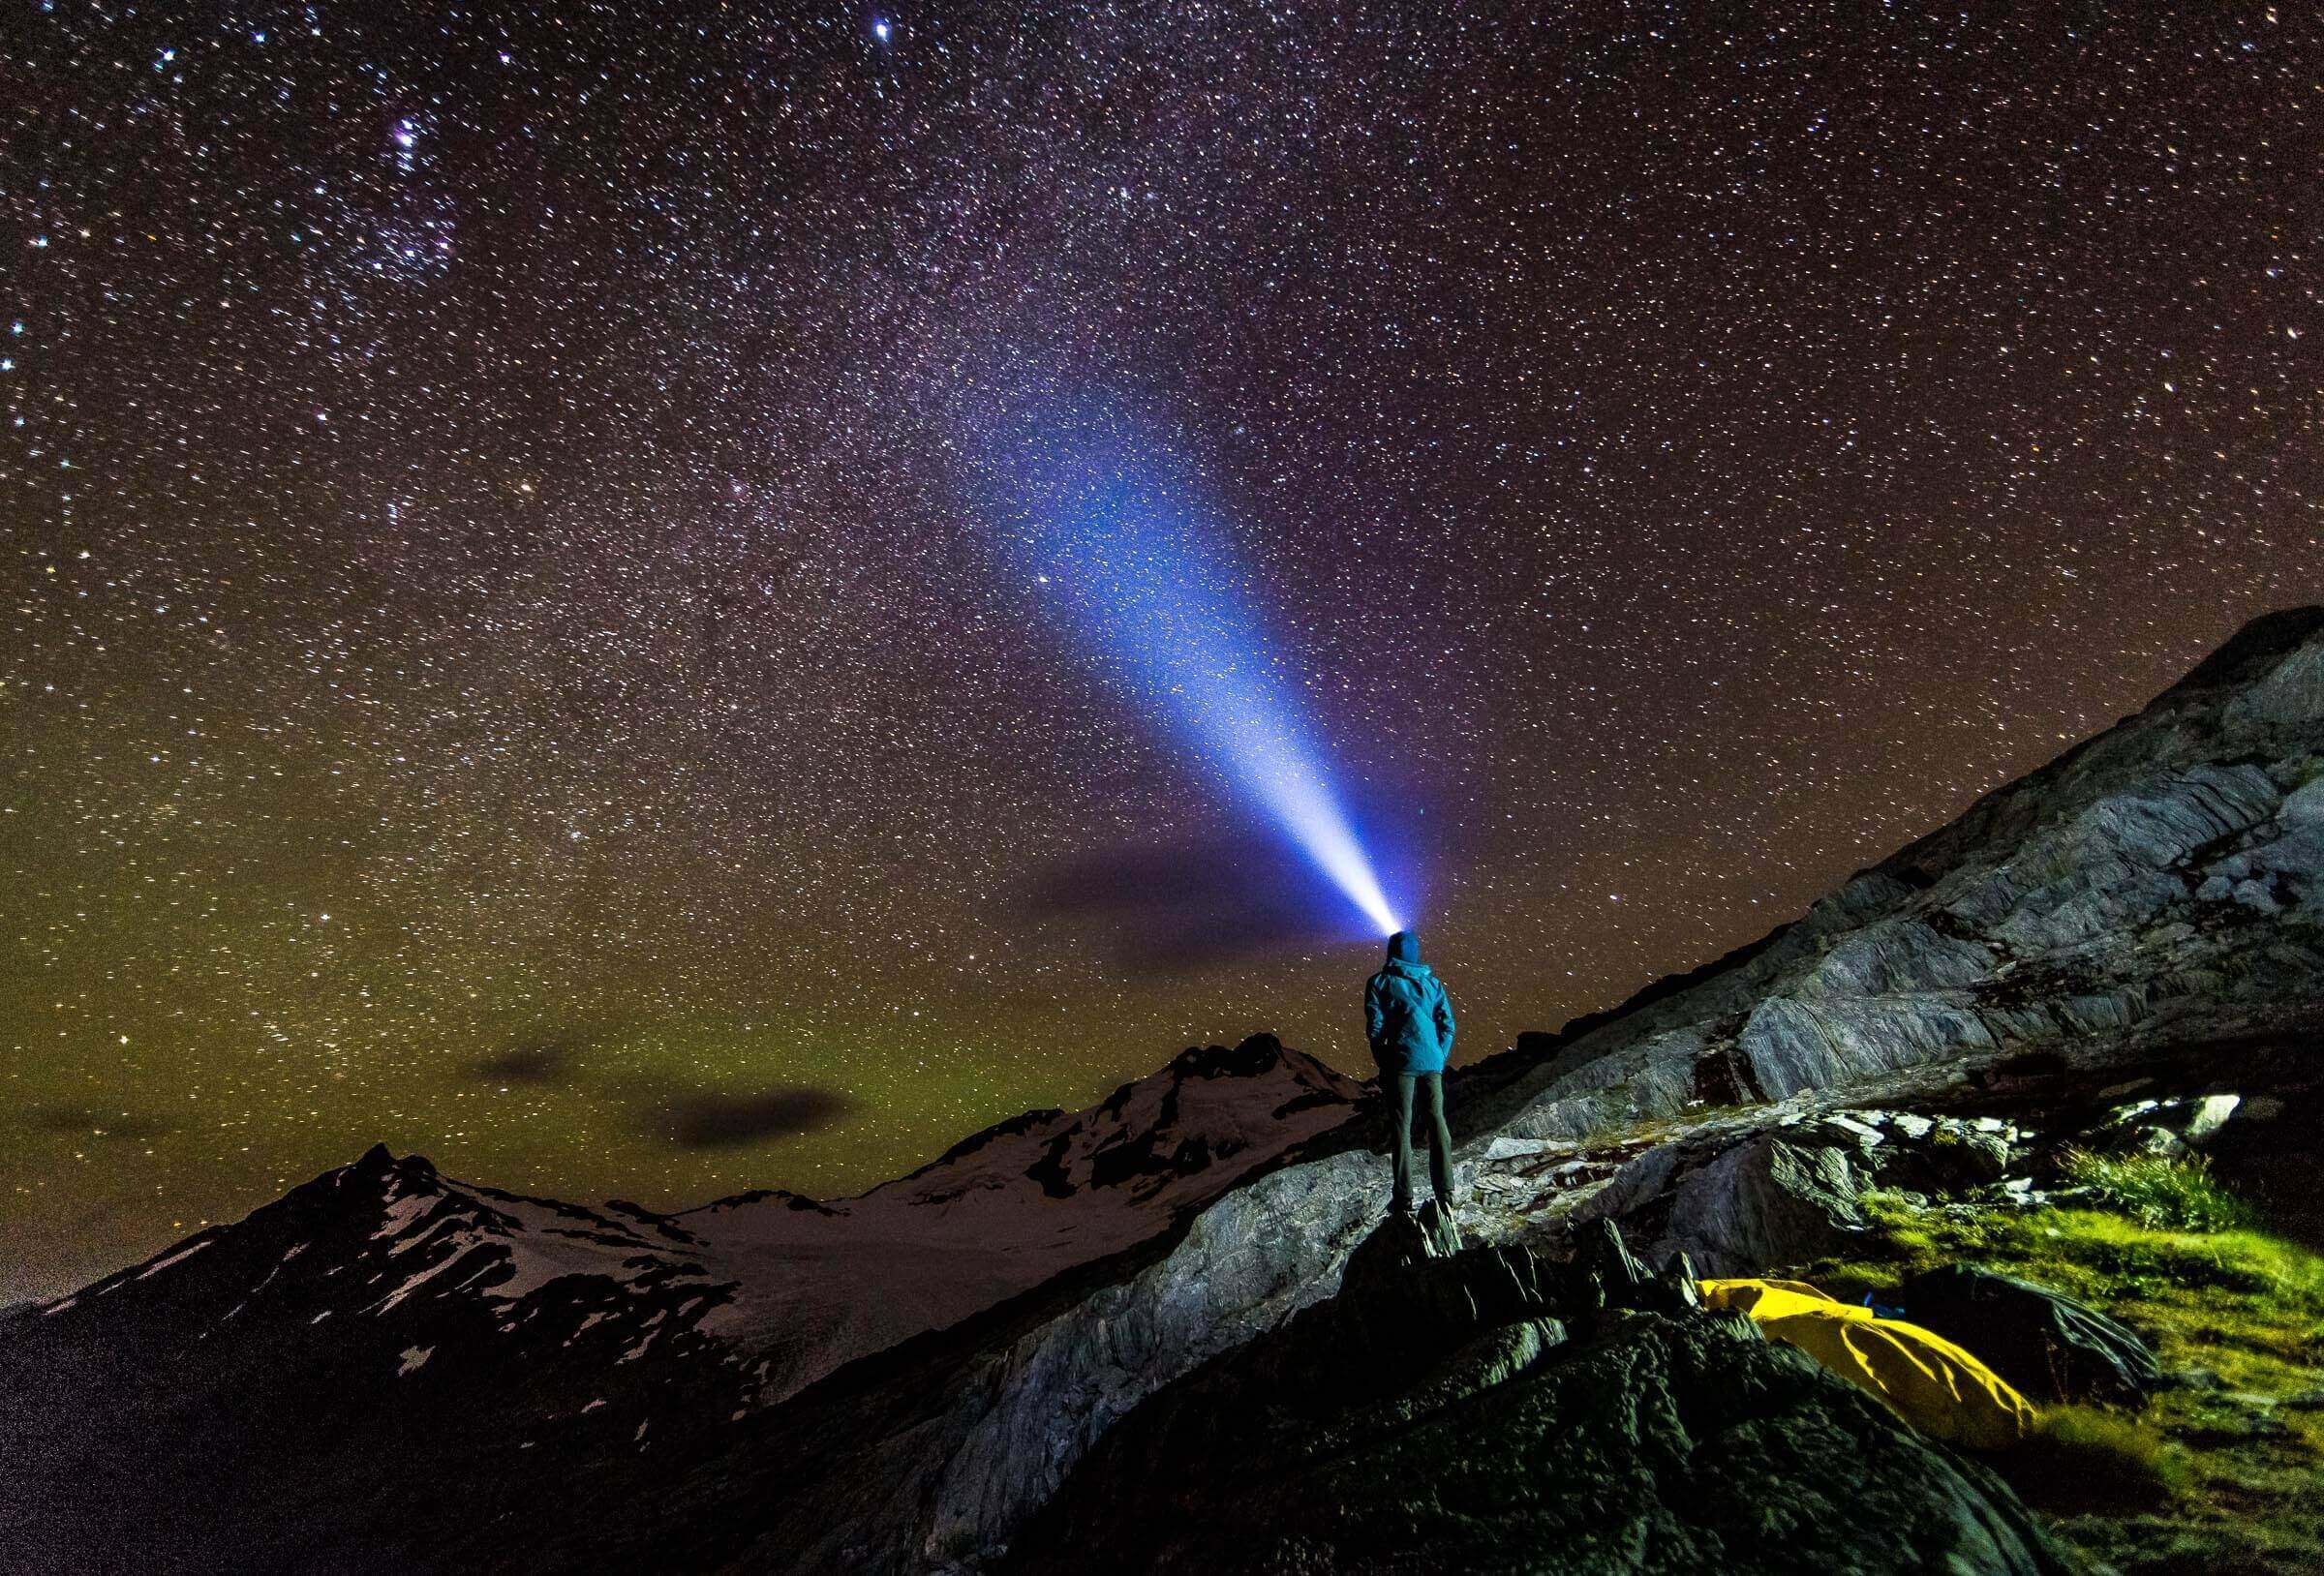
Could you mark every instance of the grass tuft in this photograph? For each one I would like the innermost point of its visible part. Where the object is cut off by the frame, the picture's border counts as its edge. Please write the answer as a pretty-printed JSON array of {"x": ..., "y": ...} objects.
[
  {"x": 2160, "y": 1191},
  {"x": 2086, "y": 1459}
]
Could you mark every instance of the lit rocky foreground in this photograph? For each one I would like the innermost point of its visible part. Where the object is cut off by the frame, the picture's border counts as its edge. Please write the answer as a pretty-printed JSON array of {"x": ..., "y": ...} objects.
[{"x": 1486, "y": 1410}]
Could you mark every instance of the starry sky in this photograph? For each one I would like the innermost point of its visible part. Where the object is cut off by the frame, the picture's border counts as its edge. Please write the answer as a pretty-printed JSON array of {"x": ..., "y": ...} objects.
[{"x": 511, "y": 649}]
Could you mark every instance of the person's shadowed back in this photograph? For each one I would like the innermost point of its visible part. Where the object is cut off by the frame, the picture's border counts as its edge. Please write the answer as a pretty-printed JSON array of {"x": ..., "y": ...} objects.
[{"x": 1408, "y": 1020}]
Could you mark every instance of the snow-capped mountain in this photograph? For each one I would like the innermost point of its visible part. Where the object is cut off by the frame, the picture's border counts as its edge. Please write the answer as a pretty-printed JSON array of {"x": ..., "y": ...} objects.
[{"x": 390, "y": 1257}]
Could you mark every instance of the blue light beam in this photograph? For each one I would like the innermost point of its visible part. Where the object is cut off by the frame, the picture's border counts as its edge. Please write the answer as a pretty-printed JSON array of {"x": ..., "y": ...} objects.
[{"x": 1154, "y": 592}]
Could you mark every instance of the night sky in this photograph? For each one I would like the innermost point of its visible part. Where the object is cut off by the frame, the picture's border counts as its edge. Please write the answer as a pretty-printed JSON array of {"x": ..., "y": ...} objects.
[{"x": 514, "y": 647}]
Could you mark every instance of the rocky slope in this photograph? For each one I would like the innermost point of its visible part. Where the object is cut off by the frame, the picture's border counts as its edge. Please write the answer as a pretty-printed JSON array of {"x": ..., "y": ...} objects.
[
  {"x": 2162, "y": 884},
  {"x": 2148, "y": 911},
  {"x": 2145, "y": 911}
]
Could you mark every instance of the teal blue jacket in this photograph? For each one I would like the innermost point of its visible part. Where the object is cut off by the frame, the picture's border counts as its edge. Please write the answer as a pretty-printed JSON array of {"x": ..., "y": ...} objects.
[{"x": 1407, "y": 1014}]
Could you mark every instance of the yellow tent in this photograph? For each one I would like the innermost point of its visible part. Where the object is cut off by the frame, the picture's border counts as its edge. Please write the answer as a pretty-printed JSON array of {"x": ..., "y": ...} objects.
[{"x": 1934, "y": 1385}]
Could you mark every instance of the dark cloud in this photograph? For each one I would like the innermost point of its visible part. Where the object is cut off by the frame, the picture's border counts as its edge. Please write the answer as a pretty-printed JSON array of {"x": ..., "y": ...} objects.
[
  {"x": 1177, "y": 909},
  {"x": 78, "y": 1120},
  {"x": 698, "y": 1121},
  {"x": 529, "y": 1061}
]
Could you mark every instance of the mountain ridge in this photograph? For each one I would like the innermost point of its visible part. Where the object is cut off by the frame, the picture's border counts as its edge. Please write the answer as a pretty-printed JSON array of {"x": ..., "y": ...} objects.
[
  {"x": 2123, "y": 813},
  {"x": 744, "y": 1267},
  {"x": 2268, "y": 637}
]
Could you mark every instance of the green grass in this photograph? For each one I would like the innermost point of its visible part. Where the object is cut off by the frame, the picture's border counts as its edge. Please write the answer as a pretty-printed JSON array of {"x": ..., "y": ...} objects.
[
  {"x": 2200, "y": 1478},
  {"x": 2098, "y": 1461},
  {"x": 2167, "y": 1193}
]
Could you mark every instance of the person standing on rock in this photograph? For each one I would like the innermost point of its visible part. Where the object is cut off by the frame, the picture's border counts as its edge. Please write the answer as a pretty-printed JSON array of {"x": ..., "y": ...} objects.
[{"x": 1408, "y": 1017}]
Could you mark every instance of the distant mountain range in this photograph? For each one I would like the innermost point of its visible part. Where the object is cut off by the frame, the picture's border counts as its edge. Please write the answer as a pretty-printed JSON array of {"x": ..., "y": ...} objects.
[{"x": 390, "y": 1370}]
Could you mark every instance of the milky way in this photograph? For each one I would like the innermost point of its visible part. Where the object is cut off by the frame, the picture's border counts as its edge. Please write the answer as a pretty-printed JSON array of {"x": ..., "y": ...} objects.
[{"x": 506, "y": 655}]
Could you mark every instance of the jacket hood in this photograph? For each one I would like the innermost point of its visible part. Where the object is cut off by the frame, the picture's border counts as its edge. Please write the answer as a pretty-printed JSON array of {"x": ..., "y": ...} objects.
[{"x": 1404, "y": 947}]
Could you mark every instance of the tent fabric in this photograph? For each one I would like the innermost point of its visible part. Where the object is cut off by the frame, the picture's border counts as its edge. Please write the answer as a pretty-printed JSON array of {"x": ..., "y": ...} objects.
[
  {"x": 2039, "y": 1339},
  {"x": 1940, "y": 1388}
]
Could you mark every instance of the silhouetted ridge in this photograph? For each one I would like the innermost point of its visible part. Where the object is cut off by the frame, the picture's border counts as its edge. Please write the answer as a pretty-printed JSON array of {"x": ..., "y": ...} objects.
[
  {"x": 2264, "y": 639},
  {"x": 755, "y": 1195},
  {"x": 1253, "y": 1055}
]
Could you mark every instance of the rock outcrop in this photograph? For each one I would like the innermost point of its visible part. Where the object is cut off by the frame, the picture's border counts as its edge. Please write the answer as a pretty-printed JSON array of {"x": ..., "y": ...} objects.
[
  {"x": 1754, "y": 1192},
  {"x": 1475, "y": 1412}
]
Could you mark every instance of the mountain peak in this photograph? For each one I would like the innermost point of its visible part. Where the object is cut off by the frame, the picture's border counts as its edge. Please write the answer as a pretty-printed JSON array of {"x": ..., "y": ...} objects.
[
  {"x": 379, "y": 1159},
  {"x": 378, "y": 1167},
  {"x": 1255, "y": 1053}
]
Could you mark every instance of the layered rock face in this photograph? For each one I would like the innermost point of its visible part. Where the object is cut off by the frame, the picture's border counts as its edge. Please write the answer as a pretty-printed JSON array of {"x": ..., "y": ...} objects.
[{"x": 2163, "y": 882}]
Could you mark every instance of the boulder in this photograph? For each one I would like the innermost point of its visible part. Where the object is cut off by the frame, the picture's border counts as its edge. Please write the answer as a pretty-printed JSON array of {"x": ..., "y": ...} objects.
[
  {"x": 1614, "y": 1277},
  {"x": 1398, "y": 1243},
  {"x": 1410, "y": 1286},
  {"x": 1951, "y": 1155},
  {"x": 2172, "y": 1128},
  {"x": 1742, "y": 1199},
  {"x": 1766, "y": 1202}
]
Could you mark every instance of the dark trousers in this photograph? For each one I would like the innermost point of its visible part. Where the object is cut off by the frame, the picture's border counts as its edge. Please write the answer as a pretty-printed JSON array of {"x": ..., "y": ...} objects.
[{"x": 1397, "y": 1087}]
